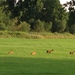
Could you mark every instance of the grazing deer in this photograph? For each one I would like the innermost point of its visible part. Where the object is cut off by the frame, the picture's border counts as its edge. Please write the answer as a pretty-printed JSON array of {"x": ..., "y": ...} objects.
[
  {"x": 10, "y": 52},
  {"x": 49, "y": 51},
  {"x": 72, "y": 52},
  {"x": 33, "y": 53}
]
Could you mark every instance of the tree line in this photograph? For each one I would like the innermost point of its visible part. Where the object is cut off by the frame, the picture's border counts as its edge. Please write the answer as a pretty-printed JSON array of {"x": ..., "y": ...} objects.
[{"x": 37, "y": 16}]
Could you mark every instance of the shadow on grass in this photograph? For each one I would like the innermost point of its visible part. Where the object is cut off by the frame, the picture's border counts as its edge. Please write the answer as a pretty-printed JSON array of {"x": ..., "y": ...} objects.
[{"x": 36, "y": 66}]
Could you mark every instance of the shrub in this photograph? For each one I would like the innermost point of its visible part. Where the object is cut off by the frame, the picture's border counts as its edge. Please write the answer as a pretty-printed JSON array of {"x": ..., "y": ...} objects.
[
  {"x": 24, "y": 26},
  {"x": 13, "y": 24},
  {"x": 2, "y": 26},
  {"x": 59, "y": 25},
  {"x": 48, "y": 26},
  {"x": 39, "y": 26},
  {"x": 72, "y": 29}
]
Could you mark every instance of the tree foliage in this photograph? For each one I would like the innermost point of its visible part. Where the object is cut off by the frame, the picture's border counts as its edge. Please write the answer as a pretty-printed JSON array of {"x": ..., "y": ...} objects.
[
  {"x": 34, "y": 15},
  {"x": 71, "y": 20}
]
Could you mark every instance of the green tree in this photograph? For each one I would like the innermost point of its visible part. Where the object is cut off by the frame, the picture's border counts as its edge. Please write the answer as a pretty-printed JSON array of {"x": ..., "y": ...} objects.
[
  {"x": 45, "y": 10},
  {"x": 32, "y": 9},
  {"x": 55, "y": 13},
  {"x": 60, "y": 21},
  {"x": 4, "y": 19},
  {"x": 71, "y": 20}
]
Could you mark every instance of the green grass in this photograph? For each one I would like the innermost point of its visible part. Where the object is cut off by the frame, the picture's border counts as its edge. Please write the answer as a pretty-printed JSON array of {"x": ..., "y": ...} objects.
[{"x": 21, "y": 62}]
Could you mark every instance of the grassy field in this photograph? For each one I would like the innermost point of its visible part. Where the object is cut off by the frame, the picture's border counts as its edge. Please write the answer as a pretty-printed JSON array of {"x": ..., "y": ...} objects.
[{"x": 21, "y": 62}]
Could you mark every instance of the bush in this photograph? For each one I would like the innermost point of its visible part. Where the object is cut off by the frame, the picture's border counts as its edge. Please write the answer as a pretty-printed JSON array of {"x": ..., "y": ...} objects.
[
  {"x": 2, "y": 26},
  {"x": 48, "y": 26},
  {"x": 39, "y": 26},
  {"x": 24, "y": 26},
  {"x": 72, "y": 29},
  {"x": 59, "y": 25},
  {"x": 13, "y": 24}
]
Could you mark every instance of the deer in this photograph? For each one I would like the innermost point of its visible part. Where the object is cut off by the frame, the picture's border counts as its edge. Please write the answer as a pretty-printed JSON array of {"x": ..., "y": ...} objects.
[
  {"x": 72, "y": 52},
  {"x": 49, "y": 51},
  {"x": 33, "y": 53},
  {"x": 10, "y": 52}
]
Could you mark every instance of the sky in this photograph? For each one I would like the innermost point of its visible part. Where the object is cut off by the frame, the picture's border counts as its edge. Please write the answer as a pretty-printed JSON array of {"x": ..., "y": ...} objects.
[{"x": 64, "y": 1}]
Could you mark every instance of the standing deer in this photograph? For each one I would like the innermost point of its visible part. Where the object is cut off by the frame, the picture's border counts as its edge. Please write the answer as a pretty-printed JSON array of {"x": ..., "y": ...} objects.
[
  {"x": 10, "y": 52},
  {"x": 49, "y": 51},
  {"x": 33, "y": 53},
  {"x": 72, "y": 52}
]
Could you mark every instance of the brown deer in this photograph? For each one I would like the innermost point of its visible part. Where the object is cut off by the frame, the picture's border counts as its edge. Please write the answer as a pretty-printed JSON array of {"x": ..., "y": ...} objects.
[
  {"x": 72, "y": 52},
  {"x": 33, "y": 53},
  {"x": 49, "y": 51},
  {"x": 10, "y": 52}
]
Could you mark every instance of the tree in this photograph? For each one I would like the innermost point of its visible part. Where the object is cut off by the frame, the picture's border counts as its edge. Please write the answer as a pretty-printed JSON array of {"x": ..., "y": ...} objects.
[
  {"x": 60, "y": 21},
  {"x": 4, "y": 18},
  {"x": 32, "y": 9},
  {"x": 55, "y": 13},
  {"x": 71, "y": 20},
  {"x": 48, "y": 11}
]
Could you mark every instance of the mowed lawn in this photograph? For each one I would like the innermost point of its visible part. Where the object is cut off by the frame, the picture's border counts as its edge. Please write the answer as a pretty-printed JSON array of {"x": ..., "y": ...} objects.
[{"x": 21, "y": 62}]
